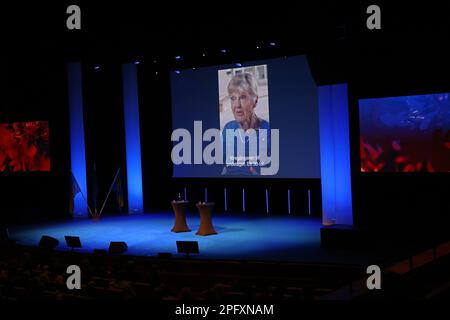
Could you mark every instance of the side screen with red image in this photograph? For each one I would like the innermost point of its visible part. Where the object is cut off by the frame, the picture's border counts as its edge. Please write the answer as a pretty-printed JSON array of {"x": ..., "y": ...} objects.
[
  {"x": 405, "y": 134},
  {"x": 24, "y": 146}
]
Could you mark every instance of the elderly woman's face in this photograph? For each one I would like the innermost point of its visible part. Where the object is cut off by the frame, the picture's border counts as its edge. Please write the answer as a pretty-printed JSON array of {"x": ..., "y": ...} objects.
[{"x": 242, "y": 105}]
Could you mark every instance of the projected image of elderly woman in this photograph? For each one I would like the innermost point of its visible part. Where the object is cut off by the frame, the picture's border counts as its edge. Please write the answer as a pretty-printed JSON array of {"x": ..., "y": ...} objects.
[{"x": 243, "y": 95}]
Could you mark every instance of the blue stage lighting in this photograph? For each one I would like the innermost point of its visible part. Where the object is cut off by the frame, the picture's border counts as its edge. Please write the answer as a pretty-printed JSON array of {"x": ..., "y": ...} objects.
[
  {"x": 77, "y": 145},
  {"x": 335, "y": 155},
  {"x": 132, "y": 139}
]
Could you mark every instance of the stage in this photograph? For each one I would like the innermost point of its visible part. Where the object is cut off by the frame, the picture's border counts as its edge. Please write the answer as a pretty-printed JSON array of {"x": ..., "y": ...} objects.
[{"x": 240, "y": 237}]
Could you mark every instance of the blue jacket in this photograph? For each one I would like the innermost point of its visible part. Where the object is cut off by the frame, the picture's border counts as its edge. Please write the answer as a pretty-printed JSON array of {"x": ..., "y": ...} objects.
[{"x": 245, "y": 168}]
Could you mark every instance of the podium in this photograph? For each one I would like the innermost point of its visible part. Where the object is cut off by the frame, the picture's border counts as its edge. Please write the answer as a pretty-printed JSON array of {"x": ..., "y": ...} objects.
[
  {"x": 206, "y": 227},
  {"x": 179, "y": 207}
]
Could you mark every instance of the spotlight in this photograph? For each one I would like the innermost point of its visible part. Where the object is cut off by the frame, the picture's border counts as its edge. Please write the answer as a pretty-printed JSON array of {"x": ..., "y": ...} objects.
[
  {"x": 257, "y": 47},
  {"x": 178, "y": 58},
  {"x": 137, "y": 62},
  {"x": 223, "y": 51},
  {"x": 238, "y": 65},
  {"x": 272, "y": 44},
  {"x": 204, "y": 55},
  {"x": 177, "y": 71},
  {"x": 96, "y": 67}
]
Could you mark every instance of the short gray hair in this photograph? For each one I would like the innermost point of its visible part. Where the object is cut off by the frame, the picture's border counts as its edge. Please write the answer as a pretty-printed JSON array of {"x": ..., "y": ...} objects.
[{"x": 245, "y": 82}]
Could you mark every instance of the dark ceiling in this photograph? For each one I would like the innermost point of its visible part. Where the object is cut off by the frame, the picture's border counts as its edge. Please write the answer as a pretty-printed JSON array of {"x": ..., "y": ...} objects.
[{"x": 334, "y": 35}]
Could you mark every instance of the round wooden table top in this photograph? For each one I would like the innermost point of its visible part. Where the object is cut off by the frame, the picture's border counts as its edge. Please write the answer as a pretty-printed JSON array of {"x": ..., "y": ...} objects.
[
  {"x": 205, "y": 204},
  {"x": 180, "y": 201}
]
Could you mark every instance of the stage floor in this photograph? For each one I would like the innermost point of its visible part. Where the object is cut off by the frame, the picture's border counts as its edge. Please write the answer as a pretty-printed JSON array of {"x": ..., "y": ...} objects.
[{"x": 240, "y": 237}]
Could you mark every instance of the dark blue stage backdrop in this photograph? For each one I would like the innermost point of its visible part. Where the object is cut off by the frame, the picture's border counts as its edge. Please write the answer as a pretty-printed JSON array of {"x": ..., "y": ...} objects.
[
  {"x": 405, "y": 134},
  {"x": 287, "y": 100}
]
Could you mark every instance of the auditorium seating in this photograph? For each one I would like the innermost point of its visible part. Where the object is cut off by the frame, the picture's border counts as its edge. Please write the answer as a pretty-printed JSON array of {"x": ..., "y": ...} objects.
[
  {"x": 32, "y": 275},
  {"x": 117, "y": 277}
]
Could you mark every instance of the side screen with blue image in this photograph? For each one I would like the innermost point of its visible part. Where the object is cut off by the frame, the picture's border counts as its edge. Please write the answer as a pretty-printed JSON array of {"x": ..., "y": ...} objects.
[{"x": 405, "y": 134}]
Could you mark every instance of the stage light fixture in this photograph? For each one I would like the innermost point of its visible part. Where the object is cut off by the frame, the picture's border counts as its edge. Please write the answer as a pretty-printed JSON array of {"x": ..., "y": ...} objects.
[
  {"x": 72, "y": 242},
  {"x": 117, "y": 247},
  {"x": 273, "y": 44},
  {"x": 177, "y": 57},
  {"x": 137, "y": 62},
  {"x": 223, "y": 51},
  {"x": 96, "y": 67},
  {"x": 204, "y": 54},
  {"x": 177, "y": 71},
  {"x": 188, "y": 247},
  {"x": 238, "y": 65},
  {"x": 48, "y": 242}
]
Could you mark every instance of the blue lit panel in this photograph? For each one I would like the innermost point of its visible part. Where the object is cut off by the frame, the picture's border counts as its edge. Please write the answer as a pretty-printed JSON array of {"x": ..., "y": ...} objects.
[
  {"x": 77, "y": 146},
  {"x": 335, "y": 155},
  {"x": 132, "y": 138}
]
